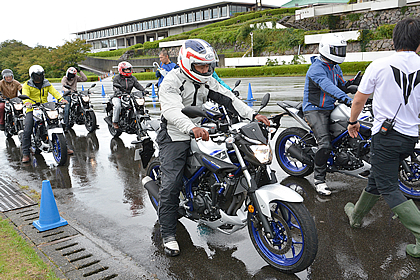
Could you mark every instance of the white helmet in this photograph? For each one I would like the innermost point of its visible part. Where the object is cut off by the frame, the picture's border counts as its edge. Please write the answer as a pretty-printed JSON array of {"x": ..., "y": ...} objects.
[
  {"x": 36, "y": 73},
  {"x": 333, "y": 47},
  {"x": 197, "y": 52}
]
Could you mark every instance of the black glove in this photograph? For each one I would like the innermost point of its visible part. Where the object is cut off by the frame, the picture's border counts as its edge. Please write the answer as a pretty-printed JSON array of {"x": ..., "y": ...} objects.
[
  {"x": 158, "y": 74},
  {"x": 77, "y": 68},
  {"x": 236, "y": 93},
  {"x": 348, "y": 101},
  {"x": 352, "y": 89}
]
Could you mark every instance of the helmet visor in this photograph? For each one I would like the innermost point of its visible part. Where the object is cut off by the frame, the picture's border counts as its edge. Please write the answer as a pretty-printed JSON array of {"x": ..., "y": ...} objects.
[
  {"x": 338, "y": 51},
  {"x": 127, "y": 70},
  {"x": 38, "y": 77}
]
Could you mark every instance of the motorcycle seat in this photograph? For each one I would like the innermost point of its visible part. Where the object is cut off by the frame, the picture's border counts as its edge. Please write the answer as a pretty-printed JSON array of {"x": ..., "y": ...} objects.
[{"x": 294, "y": 104}]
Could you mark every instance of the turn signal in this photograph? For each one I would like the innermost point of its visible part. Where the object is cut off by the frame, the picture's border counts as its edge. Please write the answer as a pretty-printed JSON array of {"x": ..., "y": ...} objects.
[{"x": 251, "y": 208}]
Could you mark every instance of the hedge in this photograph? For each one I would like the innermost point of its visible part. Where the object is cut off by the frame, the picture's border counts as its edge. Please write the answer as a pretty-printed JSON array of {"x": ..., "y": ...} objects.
[{"x": 349, "y": 68}]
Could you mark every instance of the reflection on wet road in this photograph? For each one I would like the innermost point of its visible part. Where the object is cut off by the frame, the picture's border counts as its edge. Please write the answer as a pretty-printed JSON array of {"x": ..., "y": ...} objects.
[{"x": 100, "y": 190}]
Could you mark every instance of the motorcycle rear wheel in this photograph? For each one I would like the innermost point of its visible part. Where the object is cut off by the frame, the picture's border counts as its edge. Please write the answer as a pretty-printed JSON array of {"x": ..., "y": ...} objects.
[
  {"x": 59, "y": 148},
  {"x": 90, "y": 122},
  {"x": 410, "y": 185},
  {"x": 288, "y": 163},
  {"x": 295, "y": 242}
]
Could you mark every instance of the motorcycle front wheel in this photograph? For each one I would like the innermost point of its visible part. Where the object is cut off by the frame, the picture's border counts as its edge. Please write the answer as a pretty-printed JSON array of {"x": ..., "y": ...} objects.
[
  {"x": 295, "y": 242},
  {"x": 410, "y": 183},
  {"x": 114, "y": 132},
  {"x": 59, "y": 148},
  {"x": 90, "y": 121},
  {"x": 292, "y": 166}
]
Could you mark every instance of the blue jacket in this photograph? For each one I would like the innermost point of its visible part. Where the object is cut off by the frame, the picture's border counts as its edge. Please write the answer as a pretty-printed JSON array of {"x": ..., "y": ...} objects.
[
  {"x": 167, "y": 67},
  {"x": 321, "y": 83}
]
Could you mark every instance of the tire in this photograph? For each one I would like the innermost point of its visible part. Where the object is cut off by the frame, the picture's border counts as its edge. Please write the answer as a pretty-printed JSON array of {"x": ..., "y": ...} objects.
[
  {"x": 288, "y": 163},
  {"x": 90, "y": 121},
  {"x": 114, "y": 132},
  {"x": 153, "y": 171},
  {"x": 295, "y": 243},
  {"x": 8, "y": 130},
  {"x": 59, "y": 148},
  {"x": 410, "y": 185}
]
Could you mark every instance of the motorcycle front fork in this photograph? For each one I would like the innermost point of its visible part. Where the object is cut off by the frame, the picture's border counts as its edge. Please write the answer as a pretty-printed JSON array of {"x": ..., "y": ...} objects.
[{"x": 252, "y": 186}]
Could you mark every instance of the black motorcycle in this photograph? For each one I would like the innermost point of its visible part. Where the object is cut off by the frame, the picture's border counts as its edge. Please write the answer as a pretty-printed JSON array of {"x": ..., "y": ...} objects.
[
  {"x": 47, "y": 134},
  {"x": 81, "y": 110},
  {"x": 133, "y": 113},
  {"x": 13, "y": 116}
]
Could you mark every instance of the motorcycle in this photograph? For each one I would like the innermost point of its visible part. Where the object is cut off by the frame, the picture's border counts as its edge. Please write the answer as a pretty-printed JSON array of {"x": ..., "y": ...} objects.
[
  {"x": 228, "y": 185},
  {"x": 132, "y": 115},
  {"x": 296, "y": 147},
  {"x": 81, "y": 110},
  {"x": 13, "y": 116},
  {"x": 47, "y": 135}
]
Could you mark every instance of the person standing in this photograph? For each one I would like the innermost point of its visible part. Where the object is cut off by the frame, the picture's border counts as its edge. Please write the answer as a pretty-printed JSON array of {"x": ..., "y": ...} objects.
[
  {"x": 394, "y": 81},
  {"x": 71, "y": 79},
  {"x": 166, "y": 65},
  {"x": 9, "y": 88},
  {"x": 324, "y": 84}
]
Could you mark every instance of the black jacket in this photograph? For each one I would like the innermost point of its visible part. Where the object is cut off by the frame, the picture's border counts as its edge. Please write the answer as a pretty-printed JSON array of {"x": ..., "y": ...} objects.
[{"x": 127, "y": 83}]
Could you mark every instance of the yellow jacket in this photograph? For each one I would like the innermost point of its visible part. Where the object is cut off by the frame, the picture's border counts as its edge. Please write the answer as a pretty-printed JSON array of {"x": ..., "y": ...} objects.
[{"x": 39, "y": 95}]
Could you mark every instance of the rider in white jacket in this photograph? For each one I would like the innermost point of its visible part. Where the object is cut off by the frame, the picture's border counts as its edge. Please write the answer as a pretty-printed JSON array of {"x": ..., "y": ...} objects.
[{"x": 190, "y": 84}]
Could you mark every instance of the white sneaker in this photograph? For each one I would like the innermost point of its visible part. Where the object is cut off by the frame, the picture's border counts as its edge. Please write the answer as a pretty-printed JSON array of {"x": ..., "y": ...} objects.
[
  {"x": 171, "y": 248},
  {"x": 323, "y": 189}
]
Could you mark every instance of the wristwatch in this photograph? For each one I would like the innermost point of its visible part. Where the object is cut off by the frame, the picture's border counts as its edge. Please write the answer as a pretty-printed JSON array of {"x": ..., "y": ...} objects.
[{"x": 352, "y": 123}]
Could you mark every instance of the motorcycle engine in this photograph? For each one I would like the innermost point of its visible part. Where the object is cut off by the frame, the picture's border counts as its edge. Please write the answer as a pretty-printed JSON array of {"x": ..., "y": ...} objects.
[
  {"x": 202, "y": 203},
  {"x": 347, "y": 160}
]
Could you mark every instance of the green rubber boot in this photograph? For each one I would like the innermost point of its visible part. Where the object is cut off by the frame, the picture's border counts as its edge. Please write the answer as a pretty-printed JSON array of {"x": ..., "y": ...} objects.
[
  {"x": 409, "y": 215},
  {"x": 362, "y": 207}
]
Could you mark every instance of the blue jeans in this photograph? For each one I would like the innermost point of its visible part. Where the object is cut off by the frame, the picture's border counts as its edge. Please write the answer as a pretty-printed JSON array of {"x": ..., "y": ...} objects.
[
  {"x": 27, "y": 131},
  {"x": 67, "y": 110}
]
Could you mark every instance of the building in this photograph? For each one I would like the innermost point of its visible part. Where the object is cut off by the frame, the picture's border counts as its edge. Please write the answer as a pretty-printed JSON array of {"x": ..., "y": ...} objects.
[{"x": 126, "y": 34}]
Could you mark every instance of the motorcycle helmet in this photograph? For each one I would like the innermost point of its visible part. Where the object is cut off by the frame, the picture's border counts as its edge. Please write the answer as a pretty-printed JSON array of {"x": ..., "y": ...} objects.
[
  {"x": 195, "y": 52},
  {"x": 333, "y": 47},
  {"x": 7, "y": 73},
  {"x": 125, "y": 68},
  {"x": 36, "y": 73},
  {"x": 71, "y": 73}
]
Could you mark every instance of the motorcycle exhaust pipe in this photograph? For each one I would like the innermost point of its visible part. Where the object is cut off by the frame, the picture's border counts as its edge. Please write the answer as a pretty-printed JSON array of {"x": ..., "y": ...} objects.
[
  {"x": 151, "y": 187},
  {"x": 298, "y": 154}
]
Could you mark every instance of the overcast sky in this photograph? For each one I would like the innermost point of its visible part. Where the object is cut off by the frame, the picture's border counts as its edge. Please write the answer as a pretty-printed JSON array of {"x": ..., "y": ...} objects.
[{"x": 50, "y": 22}]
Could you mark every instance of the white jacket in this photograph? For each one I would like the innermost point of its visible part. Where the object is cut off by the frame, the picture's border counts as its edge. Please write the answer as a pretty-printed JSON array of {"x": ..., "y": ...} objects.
[{"x": 178, "y": 91}]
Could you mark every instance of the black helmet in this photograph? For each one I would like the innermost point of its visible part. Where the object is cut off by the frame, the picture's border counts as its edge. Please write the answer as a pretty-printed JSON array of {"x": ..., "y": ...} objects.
[{"x": 7, "y": 73}]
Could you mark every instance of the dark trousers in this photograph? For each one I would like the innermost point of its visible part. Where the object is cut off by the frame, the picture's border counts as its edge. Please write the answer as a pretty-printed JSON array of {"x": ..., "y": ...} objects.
[
  {"x": 67, "y": 110},
  {"x": 319, "y": 121},
  {"x": 387, "y": 153},
  {"x": 173, "y": 157},
  {"x": 27, "y": 131},
  {"x": 2, "y": 105}
]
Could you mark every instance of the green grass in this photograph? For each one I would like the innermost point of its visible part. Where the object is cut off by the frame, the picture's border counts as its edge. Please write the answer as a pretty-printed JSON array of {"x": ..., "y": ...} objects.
[{"x": 18, "y": 260}]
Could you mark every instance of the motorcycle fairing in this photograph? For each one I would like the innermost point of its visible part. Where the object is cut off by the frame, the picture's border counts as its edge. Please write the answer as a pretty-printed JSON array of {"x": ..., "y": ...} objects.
[{"x": 271, "y": 192}]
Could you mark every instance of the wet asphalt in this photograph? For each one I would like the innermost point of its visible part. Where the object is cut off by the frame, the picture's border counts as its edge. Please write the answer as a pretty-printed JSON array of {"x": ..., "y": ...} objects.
[{"x": 100, "y": 191}]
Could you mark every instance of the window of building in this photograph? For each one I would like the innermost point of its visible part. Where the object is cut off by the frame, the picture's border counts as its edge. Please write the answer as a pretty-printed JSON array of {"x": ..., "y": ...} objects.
[
  {"x": 190, "y": 17},
  {"x": 151, "y": 26},
  {"x": 198, "y": 15},
  {"x": 224, "y": 11},
  {"x": 96, "y": 45},
  {"x": 168, "y": 21},
  {"x": 175, "y": 20},
  {"x": 144, "y": 24},
  {"x": 112, "y": 43},
  {"x": 206, "y": 14},
  {"x": 215, "y": 13},
  {"x": 162, "y": 22},
  {"x": 181, "y": 19},
  {"x": 156, "y": 23},
  {"x": 104, "y": 44}
]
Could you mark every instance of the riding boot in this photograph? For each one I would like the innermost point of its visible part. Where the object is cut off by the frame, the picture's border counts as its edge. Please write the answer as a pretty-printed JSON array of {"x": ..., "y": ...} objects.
[
  {"x": 170, "y": 246},
  {"x": 362, "y": 207},
  {"x": 409, "y": 215},
  {"x": 319, "y": 179}
]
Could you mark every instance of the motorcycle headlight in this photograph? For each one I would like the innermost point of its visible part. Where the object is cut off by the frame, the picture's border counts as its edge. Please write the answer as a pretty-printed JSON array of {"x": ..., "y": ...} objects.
[
  {"x": 18, "y": 106},
  {"x": 85, "y": 98},
  {"x": 52, "y": 114},
  {"x": 262, "y": 152},
  {"x": 140, "y": 101}
]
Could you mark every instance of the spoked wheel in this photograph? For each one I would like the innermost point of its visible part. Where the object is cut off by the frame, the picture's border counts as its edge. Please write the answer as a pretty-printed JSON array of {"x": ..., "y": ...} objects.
[
  {"x": 90, "y": 121},
  {"x": 410, "y": 183},
  {"x": 291, "y": 165},
  {"x": 153, "y": 171},
  {"x": 59, "y": 148},
  {"x": 295, "y": 241}
]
